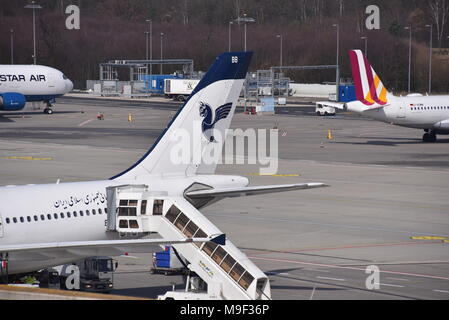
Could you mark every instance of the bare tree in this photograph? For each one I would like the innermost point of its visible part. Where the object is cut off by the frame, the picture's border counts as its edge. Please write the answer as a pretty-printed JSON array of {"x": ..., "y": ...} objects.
[{"x": 439, "y": 10}]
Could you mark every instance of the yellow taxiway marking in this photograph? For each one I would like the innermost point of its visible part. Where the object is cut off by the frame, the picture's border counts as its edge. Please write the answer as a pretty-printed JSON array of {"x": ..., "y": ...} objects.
[
  {"x": 274, "y": 175},
  {"x": 27, "y": 158},
  {"x": 444, "y": 239}
]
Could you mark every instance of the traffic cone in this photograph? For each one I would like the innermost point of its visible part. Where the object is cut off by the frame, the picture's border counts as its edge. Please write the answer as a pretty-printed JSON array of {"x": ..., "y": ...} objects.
[
  {"x": 330, "y": 136},
  {"x": 130, "y": 118}
]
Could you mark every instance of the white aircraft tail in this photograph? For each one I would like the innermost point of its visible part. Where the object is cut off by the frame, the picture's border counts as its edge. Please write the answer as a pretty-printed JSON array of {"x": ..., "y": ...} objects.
[{"x": 200, "y": 124}]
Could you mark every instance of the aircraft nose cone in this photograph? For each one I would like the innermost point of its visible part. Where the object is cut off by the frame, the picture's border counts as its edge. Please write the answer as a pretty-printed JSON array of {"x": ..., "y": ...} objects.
[{"x": 69, "y": 86}]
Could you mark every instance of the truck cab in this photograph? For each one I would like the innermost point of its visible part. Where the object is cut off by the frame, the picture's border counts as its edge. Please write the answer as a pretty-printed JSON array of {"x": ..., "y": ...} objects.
[{"x": 96, "y": 274}]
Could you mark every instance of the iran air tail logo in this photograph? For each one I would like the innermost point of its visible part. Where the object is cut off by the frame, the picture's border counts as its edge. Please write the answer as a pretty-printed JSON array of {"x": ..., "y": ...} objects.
[{"x": 210, "y": 119}]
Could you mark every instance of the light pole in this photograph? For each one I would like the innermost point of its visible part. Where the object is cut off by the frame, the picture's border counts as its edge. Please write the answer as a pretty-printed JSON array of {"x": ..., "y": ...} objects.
[
  {"x": 34, "y": 6},
  {"x": 338, "y": 60},
  {"x": 366, "y": 45},
  {"x": 150, "y": 33},
  {"x": 430, "y": 57},
  {"x": 280, "y": 36},
  {"x": 12, "y": 46},
  {"x": 162, "y": 37},
  {"x": 246, "y": 20},
  {"x": 230, "y": 34},
  {"x": 409, "y": 57}
]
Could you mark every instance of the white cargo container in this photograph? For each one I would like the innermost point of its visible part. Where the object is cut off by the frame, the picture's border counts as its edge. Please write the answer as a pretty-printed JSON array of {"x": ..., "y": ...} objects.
[{"x": 179, "y": 89}]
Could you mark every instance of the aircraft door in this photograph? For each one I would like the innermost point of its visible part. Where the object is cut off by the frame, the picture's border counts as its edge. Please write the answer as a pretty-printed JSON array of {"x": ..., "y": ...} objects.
[
  {"x": 401, "y": 111},
  {"x": 51, "y": 80},
  {"x": 1, "y": 226}
]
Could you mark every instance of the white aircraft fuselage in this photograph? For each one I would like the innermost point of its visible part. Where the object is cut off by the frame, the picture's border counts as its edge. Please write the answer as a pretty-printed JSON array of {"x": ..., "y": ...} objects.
[
  {"x": 32, "y": 83},
  {"x": 68, "y": 212},
  {"x": 425, "y": 112}
]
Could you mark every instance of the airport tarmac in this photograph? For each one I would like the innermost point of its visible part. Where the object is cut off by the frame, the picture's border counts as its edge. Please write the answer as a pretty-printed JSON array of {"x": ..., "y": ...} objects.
[{"x": 386, "y": 205}]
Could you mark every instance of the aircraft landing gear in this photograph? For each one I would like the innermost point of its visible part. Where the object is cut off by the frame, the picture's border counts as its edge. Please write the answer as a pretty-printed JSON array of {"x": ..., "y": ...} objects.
[
  {"x": 48, "y": 109},
  {"x": 430, "y": 137}
]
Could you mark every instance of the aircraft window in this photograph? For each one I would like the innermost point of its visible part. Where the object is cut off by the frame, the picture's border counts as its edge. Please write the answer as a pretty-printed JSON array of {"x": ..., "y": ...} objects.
[
  {"x": 172, "y": 213},
  {"x": 55, "y": 215},
  {"x": 157, "y": 207},
  {"x": 190, "y": 229},
  {"x": 74, "y": 214},
  {"x": 64, "y": 77},
  {"x": 14, "y": 220},
  {"x": 94, "y": 212},
  {"x": 123, "y": 224},
  {"x": 182, "y": 221},
  {"x": 29, "y": 219},
  {"x": 105, "y": 210},
  {"x": 21, "y": 219},
  {"x": 246, "y": 280},
  {"x": 99, "y": 211},
  {"x": 42, "y": 217},
  {"x": 236, "y": 272},
  {"x": 87, "y": 213},
  {"x": 7, "y": 220},
  {"x": 49, "y": 216},
  {"x": 209, "y": 247},
  {"x": 62, "y": 215},
  {"x": 228, "y": 263},
  {"x": 133, "y": 224},
  {"x": 68, "y": 215},
  {"x": 36, "y": 218},
  {"x": 81, "y": 213}
]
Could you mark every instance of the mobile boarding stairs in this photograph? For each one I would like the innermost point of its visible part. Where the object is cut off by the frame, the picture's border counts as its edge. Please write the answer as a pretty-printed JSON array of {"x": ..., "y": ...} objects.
[{"x": 134, "y": 211}]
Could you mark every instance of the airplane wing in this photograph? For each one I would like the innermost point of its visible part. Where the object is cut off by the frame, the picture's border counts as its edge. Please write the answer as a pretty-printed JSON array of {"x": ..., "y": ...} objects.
[
  {"x": 250, "y": 191},
  {"x": 116, "y": 246}
]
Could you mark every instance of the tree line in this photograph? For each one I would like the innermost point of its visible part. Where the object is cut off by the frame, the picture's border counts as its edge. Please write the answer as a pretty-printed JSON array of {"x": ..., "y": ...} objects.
[{"x": 199, "y": 30}]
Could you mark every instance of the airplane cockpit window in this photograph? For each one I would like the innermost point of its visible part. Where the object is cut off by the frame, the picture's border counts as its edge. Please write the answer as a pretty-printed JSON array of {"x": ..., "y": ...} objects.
[{"x": 64, "y": 77}]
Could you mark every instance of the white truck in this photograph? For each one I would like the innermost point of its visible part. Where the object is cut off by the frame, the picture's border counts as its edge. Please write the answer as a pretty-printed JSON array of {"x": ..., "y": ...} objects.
[
  {"x": 179, "y": 89},
  {"x": 324, "y": 108}
]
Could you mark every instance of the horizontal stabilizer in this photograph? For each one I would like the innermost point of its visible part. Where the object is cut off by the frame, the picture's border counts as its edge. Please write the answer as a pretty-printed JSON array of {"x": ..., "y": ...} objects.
[{"x": 251, "y": 191}]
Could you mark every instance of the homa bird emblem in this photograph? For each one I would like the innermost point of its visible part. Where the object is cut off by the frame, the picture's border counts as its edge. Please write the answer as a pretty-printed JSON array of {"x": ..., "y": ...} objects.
[{"x": 209, "y": 121}]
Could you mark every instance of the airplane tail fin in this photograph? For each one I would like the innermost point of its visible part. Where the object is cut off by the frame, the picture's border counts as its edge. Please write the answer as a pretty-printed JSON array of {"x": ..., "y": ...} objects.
[
  {"x": 200, "y": 125},
  {"x": 368, "y": 86}
]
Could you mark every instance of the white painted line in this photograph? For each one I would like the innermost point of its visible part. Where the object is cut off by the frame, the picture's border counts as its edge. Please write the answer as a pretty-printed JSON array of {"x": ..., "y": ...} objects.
[
  {"x": 442, "y": 291},
  {"x": 85, "y": 122},
  {"x": 398, "y": 279},
  {"x": 334, "y": 279},
  {"x": 389, "y": 285}
]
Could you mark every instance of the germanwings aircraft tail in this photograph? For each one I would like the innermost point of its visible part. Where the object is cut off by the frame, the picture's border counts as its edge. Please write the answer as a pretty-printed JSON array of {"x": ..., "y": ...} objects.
[
  {"x": 369, "y": 88},
  {"x": 200, "y": 124}
]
